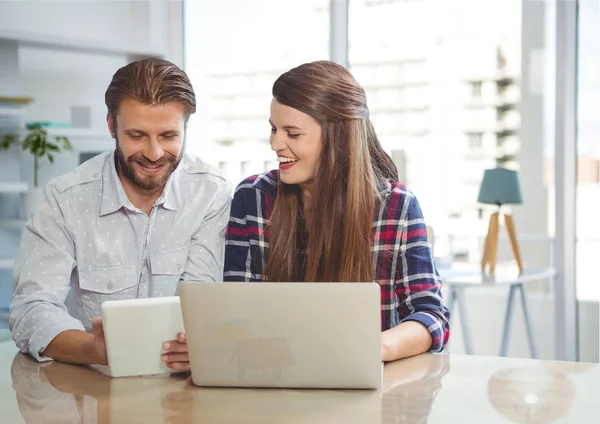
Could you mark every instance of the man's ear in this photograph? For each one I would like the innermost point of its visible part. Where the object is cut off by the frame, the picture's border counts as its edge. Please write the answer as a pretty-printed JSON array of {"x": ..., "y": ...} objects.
[{"x": 111, "y": 126}]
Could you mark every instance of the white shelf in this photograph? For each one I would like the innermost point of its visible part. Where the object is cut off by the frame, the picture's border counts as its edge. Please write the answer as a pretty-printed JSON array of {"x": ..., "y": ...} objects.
[
  {"x": 29, "y": 39},
  {"x": 6, "y": 263},
  {"x": 74, "y": 133},
  {"x": 71, "y": 132},
  {"x": 14, "y": 187},
  {"x": 12, "y": 111},
  {"x": 85, "y": 139},
  {"x": 12, "y": 224}
]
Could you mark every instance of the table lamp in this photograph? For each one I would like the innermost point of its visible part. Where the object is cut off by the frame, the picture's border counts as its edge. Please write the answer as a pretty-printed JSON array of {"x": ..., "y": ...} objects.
[{"x": 500, "y": 186}]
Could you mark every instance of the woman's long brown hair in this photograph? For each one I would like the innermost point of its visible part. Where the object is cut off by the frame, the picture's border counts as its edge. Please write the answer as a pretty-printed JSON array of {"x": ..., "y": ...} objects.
[{"x": 351, "y": 163}]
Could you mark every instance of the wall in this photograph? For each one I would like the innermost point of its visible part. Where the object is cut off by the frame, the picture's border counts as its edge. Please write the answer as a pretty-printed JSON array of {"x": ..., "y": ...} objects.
[
  {"x": 122, "y": 22},
  {"x": 59, "y": 79}
]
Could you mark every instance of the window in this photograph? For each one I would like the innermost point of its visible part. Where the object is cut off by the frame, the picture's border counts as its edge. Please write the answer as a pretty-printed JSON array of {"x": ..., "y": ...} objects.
[
  {"x": 588, "y": 152},
  {"x": 416, "y": 66},
  {"x": 246, "y": 168},
  {"x": 439, "y": 85},
  {"x": 475, "y": 140},
  {"x": 269, "y": 165},
  {"x": 234, "y": 51},
  {"x": 476, "y": 89}
]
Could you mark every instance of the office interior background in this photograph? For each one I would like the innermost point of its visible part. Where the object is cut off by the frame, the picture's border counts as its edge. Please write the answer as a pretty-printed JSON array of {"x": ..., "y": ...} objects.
[{"x": 454, "y": 87}]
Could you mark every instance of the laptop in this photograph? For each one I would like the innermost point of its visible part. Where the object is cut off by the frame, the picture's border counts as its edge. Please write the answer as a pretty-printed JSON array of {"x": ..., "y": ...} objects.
[
  {"x": 283, "y": 335},
  {"x": 134, "y": 331}
]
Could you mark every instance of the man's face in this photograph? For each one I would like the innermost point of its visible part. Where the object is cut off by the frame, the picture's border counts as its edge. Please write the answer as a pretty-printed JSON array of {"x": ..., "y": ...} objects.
[{"x": 149, "y": 142}]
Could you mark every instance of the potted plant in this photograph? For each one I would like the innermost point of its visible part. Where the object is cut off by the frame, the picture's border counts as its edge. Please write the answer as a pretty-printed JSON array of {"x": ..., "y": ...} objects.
[{"x": 41, "y": 147}]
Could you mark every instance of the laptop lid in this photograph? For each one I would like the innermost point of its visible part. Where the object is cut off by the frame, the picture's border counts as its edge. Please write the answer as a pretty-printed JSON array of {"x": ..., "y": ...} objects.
[{"x": 292, "y": 335}]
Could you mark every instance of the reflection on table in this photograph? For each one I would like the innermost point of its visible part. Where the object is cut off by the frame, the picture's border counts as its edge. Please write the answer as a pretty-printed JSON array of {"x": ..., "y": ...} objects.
[{"x": 425, "y": 389}]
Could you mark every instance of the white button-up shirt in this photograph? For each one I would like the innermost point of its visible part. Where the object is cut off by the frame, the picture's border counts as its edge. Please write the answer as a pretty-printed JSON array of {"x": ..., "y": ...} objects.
[{"x": 87, "y": 243}]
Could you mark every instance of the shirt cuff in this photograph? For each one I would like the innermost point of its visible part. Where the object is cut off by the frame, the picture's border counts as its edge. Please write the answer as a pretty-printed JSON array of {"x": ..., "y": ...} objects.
[
  {"x": 43, "y": 333},
  {"x": 434, "y": 326}
]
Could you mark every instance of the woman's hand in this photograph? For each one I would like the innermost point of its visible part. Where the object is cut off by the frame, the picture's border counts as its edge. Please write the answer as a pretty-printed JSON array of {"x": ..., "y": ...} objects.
[{"x": 176, "y": 353}]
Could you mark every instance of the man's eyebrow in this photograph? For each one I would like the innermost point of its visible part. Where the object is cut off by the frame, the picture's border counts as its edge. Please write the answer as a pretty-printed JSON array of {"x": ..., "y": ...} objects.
[{"x": 134, "y": 130}]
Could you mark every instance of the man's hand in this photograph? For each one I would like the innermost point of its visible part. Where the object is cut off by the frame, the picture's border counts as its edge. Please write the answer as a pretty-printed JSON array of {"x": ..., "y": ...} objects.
[
  {"x": 99, "y": 343},
  {"x": 176, "y": 354}
]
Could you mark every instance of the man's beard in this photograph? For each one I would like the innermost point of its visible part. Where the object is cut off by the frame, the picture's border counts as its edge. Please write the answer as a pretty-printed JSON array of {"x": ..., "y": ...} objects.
[{"x": 150, "y": 182}]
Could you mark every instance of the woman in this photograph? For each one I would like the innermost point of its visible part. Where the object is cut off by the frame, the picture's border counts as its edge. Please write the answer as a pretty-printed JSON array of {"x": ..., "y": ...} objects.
[{"x": 335, "y": 212}]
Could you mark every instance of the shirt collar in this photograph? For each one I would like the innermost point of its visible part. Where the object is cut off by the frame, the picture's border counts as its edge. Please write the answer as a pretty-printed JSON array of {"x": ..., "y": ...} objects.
[
  {"x": 115, "y": 198},
  {"x": 170, "y": 195},
  {"x": 384, "y": 187}
]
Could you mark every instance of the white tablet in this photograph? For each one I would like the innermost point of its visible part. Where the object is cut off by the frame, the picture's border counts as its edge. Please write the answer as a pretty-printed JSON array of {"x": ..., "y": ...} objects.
[{"x": 135, "y": 330}]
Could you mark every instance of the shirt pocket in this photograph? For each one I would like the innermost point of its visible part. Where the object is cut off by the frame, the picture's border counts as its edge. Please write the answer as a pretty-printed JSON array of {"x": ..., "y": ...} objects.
[
  {"x": 166, "y": 269},
  {"x": 101, "y": 284}
]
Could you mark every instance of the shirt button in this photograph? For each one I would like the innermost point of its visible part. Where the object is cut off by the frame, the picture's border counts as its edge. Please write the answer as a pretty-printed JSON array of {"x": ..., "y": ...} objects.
[
  {"x": 110, "y": 285},
  {"x": 95, "y": 175},
  {"x": 178, "y": 267}
]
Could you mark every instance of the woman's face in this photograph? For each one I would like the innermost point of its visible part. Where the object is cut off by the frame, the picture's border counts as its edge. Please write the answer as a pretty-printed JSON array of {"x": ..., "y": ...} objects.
[{"x": 297, "y": 139}]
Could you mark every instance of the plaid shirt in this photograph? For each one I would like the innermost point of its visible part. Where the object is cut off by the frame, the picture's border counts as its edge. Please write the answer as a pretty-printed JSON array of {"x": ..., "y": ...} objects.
[{"x": 410, "y": 284}]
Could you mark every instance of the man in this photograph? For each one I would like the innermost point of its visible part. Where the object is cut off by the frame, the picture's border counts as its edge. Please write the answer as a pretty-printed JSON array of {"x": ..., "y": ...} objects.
[{"x": 130, "y": 223}]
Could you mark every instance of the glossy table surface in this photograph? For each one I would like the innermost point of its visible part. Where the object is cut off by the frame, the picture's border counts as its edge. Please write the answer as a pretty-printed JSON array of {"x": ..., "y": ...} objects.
[{"x": 424, "y": 389}]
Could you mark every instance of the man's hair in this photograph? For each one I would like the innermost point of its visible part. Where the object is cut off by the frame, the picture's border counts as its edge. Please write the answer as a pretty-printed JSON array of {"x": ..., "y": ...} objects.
[{"x": 150, "y": 81}]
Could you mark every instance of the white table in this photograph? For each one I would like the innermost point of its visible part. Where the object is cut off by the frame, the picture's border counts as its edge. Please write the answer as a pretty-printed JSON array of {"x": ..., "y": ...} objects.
[{"x": 458, "y": 279}]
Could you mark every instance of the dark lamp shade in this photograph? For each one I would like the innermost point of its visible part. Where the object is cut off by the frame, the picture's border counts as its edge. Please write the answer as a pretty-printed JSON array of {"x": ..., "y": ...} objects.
[{"x": 500, "y": 186}]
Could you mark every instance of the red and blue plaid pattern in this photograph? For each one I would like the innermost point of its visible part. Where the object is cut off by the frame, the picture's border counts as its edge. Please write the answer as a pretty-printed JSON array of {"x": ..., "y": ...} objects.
[{"x": 404, "y": 266}]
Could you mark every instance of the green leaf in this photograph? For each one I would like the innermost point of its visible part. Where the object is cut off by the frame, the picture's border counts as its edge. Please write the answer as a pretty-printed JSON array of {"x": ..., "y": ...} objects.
[
  {"x": 36, "y": 146},
  {"x": 65, "y": 142},
  {"x": 7, "y": 141},
  {"x": 37, "y": 143}
]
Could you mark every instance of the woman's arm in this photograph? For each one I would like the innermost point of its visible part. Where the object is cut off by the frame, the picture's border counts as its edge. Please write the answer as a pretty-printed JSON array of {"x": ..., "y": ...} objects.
[
  {"x": 409, "y": 338},
  {"x": 423, "y": 317}
]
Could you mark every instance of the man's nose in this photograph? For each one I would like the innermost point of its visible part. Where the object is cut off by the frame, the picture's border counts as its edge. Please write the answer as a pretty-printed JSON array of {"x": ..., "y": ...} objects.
[{"x": 153, "y": 151}]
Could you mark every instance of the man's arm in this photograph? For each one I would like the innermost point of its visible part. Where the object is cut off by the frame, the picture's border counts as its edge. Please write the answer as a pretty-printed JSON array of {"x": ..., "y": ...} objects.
[
  {"x": 207, "y": 249},
  {"x": 205, "y": 263},
  {"x": 79, "y": 347},
  {"x": 42, "y": 282}
]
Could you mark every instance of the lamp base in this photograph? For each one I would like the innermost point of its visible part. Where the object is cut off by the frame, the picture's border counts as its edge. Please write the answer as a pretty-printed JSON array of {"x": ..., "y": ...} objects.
[{"x": 490, "y": 249}]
